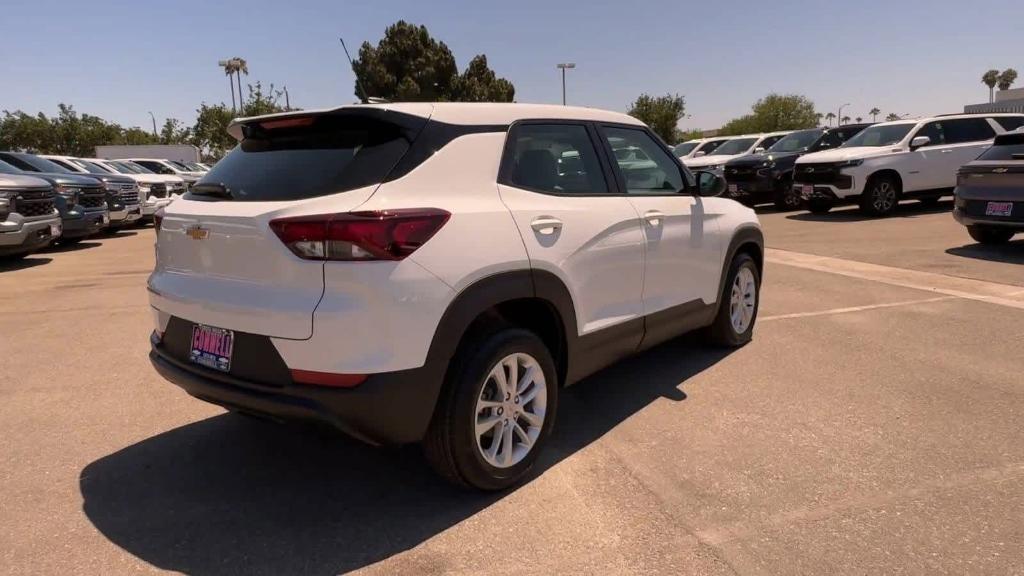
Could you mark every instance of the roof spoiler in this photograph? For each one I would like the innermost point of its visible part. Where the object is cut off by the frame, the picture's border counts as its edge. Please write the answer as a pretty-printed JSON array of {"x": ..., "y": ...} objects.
[{"x": 402, "y": 119}]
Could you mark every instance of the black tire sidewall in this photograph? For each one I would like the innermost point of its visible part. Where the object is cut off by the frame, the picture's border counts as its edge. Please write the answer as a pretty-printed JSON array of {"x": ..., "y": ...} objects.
[
  {"x": 867, "y": 203},
  {"x": 469, "y": 381},
  {"x": 724, "y": 333}
]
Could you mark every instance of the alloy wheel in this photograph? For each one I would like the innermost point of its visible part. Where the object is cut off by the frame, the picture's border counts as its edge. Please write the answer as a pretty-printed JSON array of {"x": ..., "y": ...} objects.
[
  {"x": 883, "y": 196},
  {"x": 510, "y": 410},
  {"x": 742, "y": 300}
]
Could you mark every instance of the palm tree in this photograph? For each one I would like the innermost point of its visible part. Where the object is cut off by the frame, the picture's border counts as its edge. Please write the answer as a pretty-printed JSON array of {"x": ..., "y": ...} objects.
[
  {"x": 990, "y": 79},
  {"x": 241, "y": 67},
  {"x": 844, "y": 120},
  {"x": 230, "y": 67},
  {"x": 874, "y": 114},
  {"x": 819, "y": 116},
  {"x": 859, "y": 119},
  {"x": 892, "y": 117},
  {"x": 829, "y": 117},
  {"x": 1007, "y": 78}
]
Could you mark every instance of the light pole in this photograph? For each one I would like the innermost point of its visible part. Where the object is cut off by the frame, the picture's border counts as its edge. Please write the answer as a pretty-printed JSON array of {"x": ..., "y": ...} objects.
[
  {"x": 839, "y": 118},
  {"x": 154, "y": 124},
  {"x": 563, "y": 67}
]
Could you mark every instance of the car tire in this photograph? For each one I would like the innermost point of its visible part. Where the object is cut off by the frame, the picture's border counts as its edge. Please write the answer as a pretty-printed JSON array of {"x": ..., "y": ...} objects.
[
  {"x": 881, "y": 196},
  {"x": 459, "y": 445},
  {"x": 787, "y": 199},
  {"x": 990, "y": 236},
  {"x": 737, "y": 310},
  {"x": 819, "y": 206}
]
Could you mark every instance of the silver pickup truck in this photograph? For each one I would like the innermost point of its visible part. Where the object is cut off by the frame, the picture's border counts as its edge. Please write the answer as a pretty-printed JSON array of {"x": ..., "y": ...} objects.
[{"x": 29, "y": 220}]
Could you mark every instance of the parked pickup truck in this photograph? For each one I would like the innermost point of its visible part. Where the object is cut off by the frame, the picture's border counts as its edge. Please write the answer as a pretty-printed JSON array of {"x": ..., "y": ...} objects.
[
  {"x": 28, "y": 216},
  {"x": 122, "y": 192},
  {"x": 80, "y": 200}
]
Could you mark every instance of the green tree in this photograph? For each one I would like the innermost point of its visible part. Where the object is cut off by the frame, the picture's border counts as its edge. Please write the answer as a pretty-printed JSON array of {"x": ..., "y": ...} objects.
[
  {"x": 844, "y": 120},
  {"x": 859, "y": 119},
  {"x": 830, "y": 117},
  {"x": 210, "y": 132},
  {"x": 478, "y": 83},
  {"x": 1007, "y": 78},
  {"x": 892, "y": 117},
  {"x": 407, "y": 64},
  {"x": 661, "y": 113},
  {"x": 874, "y": 114},
  {"x": 174, "y": 132},
  {"x": 776, "y": 112},
  {"x": 990, "y": 79}
]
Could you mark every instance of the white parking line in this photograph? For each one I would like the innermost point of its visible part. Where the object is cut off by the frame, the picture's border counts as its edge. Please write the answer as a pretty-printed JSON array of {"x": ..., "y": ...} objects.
[
  {"x": 853, "y": 309},
  {"x": 991, "y": 292}
]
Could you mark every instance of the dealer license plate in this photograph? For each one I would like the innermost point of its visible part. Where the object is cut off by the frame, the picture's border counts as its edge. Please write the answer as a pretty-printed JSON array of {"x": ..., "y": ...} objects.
[{"x": 212, "y": 347}]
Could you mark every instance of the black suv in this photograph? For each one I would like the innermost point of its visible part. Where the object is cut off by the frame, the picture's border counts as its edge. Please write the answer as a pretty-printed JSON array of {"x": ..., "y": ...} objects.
[
  {"x": 81, "y": 200},
  {"x": 990, "y": 191},
  {"x": 768, "y": 176}
]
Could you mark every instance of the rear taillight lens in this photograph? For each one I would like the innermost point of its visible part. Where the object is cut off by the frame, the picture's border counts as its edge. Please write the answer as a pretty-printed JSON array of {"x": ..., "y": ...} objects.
[{"x": 359, "y": 236}]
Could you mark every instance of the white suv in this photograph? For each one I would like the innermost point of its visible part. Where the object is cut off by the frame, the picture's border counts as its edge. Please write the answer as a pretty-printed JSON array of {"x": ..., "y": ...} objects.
[
  {"x": 888, "y": 162},
  {"x": 437, "y": 272},
  {"x": 734, "y": 148}
]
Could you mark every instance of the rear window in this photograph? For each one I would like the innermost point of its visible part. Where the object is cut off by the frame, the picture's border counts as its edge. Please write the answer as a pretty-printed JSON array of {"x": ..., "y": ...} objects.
[
  {"x": 1009, "y": 147},
  {"x": 1010, "y": 123},
  {"x": 306, "y": 157}
]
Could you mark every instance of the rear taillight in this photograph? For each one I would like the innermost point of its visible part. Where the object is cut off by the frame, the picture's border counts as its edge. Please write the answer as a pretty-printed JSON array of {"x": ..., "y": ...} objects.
[{"x": 359, "y": 236}]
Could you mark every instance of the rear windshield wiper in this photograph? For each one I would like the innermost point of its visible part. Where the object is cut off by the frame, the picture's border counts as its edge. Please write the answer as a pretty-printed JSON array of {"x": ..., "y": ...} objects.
[{"x": 212, "y": 189}]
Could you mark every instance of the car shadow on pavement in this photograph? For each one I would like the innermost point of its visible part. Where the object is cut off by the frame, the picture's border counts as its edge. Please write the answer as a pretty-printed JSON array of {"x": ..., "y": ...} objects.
[
  {"x": 1009, "y": 253},
  {"x": 117, "y": 234},
  {"x": 906, "y": 209},
  {"x": 231, "y": 494},
  {"x": 70, "y": 247},
  {"x": 10, "y": 265}
]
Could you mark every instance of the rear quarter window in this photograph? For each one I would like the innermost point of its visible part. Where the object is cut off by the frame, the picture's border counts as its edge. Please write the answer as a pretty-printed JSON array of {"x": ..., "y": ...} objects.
[{"x": 310, "y": 157}]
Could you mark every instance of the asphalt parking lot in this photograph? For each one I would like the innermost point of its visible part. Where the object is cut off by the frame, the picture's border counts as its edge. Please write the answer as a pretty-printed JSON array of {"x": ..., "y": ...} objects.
[{"x": 872, "y": 427}]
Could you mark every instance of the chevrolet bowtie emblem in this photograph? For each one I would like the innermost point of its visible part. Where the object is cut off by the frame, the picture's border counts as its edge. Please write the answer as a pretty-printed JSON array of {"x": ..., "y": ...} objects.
[{"x": 197, "y": 232}]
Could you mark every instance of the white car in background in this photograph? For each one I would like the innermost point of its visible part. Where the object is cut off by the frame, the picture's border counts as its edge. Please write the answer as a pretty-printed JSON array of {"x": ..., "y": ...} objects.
[
  {"x": 163, "y": 189},
  {"x": 698, "y": 148},
  {"x": 734, "y": 148},
  {"x": 893, "y": 161},
  {"x": 169, "y": 168}
]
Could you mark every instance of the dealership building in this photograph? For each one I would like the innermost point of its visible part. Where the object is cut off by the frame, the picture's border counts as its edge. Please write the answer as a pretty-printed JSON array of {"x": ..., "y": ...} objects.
[{"x": 1006, "y": 101}]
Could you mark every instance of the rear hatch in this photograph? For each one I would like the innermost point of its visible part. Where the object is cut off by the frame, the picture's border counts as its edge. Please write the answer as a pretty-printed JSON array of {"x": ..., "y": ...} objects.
[{"x": 218, "y": 261}]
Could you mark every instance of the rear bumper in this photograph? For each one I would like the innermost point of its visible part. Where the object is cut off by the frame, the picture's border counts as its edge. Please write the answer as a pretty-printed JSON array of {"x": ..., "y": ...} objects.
[
  {"x": 971, "y": 220},
  {"x": 389, "y": 408}
]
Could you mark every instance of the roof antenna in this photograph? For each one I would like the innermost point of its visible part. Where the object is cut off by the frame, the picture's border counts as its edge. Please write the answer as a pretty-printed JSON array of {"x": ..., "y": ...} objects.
[{"x": 359, "y": 85}]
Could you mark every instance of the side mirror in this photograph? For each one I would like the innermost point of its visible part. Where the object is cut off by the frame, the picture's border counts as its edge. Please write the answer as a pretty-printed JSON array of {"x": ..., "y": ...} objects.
[
  {"x": 700, "y": 153},
  {"x": 919, "y": 142},
  {"x": 759, "y": 150},
  {"x": 709, "y": 183}
]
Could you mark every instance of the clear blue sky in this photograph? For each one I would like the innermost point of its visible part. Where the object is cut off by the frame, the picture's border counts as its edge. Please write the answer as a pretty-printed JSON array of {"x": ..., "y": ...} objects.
[{"x": 119, "y": 60}]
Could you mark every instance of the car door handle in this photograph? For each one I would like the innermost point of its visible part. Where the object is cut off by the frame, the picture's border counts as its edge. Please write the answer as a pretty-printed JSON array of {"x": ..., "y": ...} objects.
[
  {"x": 654, "y": 217},
  {"x": 546, "y": 225}
]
